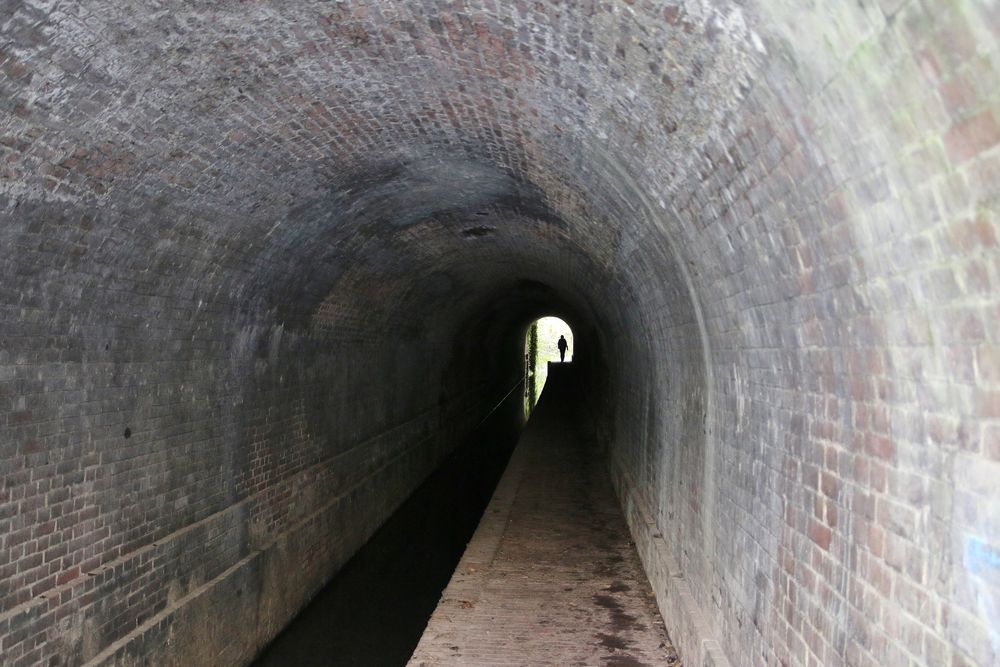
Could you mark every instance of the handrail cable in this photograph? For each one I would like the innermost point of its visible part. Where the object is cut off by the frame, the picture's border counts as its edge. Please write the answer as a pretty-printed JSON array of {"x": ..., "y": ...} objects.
[{"x": 506, "y": 396}]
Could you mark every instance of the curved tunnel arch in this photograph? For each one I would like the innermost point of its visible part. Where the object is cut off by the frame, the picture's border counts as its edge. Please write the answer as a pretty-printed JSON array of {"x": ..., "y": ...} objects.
[{"x": 273, "y": 241}]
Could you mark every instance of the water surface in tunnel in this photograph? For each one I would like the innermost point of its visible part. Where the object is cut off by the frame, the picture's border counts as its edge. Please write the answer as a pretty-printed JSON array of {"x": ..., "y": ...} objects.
[
  {"x": 264, "y": 263},
  {"x": 375, "y": 608}
]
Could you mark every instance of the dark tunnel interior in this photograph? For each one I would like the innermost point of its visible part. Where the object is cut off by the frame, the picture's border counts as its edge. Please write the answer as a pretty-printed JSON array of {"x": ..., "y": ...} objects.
[{"x": 264, "y": 266}]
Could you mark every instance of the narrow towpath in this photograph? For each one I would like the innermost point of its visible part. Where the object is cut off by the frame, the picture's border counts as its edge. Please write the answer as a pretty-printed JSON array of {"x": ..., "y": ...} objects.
[{"x": 550, "y": 576}]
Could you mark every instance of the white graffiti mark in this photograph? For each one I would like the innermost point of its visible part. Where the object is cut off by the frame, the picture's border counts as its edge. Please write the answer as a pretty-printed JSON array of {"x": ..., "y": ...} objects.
[{"x": 982, "y": 562}]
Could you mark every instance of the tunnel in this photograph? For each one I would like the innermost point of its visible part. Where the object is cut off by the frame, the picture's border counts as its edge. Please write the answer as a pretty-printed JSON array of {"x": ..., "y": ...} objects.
[{"x": 265, "y": 264}]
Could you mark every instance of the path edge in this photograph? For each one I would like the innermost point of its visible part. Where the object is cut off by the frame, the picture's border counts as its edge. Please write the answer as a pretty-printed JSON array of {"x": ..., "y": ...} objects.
[{"x": 694, "y": 638}]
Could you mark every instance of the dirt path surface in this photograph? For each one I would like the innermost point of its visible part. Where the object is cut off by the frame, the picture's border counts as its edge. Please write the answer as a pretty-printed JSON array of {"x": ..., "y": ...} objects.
[{"x": 551, "y": 576}]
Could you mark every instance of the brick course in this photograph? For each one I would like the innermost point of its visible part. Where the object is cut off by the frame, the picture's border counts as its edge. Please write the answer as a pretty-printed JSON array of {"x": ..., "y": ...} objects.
[{"x": 289, "y": 249}]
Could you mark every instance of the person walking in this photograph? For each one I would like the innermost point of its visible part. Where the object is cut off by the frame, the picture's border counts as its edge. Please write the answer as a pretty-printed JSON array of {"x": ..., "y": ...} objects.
[{"x": 562, "y": 345}]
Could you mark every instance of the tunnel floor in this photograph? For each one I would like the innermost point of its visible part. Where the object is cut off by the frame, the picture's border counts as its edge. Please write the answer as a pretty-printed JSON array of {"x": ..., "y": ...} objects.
[{"x": 551, "y": 576}]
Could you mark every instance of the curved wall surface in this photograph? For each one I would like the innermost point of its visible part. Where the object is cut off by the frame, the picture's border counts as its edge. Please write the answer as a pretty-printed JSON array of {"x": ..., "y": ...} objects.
[{"x": 265, "y": 263}]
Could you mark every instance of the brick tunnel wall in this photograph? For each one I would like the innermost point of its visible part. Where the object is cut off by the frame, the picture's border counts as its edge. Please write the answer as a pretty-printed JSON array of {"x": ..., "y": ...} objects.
[{"x": 280, "y": 243}]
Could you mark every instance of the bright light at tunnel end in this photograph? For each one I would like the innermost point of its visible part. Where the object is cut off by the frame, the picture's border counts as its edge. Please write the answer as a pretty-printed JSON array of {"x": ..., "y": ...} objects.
[{"x": 541, "y": 345}]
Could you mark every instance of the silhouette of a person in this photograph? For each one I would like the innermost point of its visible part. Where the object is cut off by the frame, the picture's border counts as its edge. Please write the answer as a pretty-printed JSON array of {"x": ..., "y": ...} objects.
[{"x": 562, "y": 345}]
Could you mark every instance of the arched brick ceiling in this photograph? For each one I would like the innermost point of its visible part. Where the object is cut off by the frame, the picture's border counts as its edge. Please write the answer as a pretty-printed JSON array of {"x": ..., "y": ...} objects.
[
  {"x": 290, "y": 135},
  {"x": 779, "y": 218}
]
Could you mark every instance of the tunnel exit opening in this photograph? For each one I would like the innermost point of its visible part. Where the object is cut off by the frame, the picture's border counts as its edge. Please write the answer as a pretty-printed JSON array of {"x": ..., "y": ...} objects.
[{"x": 541, "y": 346}]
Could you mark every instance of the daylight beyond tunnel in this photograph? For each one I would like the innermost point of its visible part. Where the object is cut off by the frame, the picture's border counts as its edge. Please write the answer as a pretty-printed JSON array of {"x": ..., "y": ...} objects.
[{"x": 264, "y": 265}]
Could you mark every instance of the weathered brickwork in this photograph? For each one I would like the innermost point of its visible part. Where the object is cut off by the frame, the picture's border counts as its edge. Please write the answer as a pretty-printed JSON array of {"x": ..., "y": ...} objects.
[{"x": 261, "y": 264}]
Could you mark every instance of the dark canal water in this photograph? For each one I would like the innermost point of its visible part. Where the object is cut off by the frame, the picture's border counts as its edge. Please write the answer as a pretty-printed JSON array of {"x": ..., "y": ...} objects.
[{"x": 373, "y": 612}]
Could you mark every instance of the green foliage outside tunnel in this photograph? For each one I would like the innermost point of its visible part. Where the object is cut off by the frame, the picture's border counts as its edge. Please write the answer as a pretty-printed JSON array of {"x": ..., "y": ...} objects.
[{"x": 541, "y": 347}]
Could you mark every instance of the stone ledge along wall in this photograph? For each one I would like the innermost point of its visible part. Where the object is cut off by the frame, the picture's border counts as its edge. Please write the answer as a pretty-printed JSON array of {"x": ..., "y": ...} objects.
[{"x": 262, "y": 264}]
